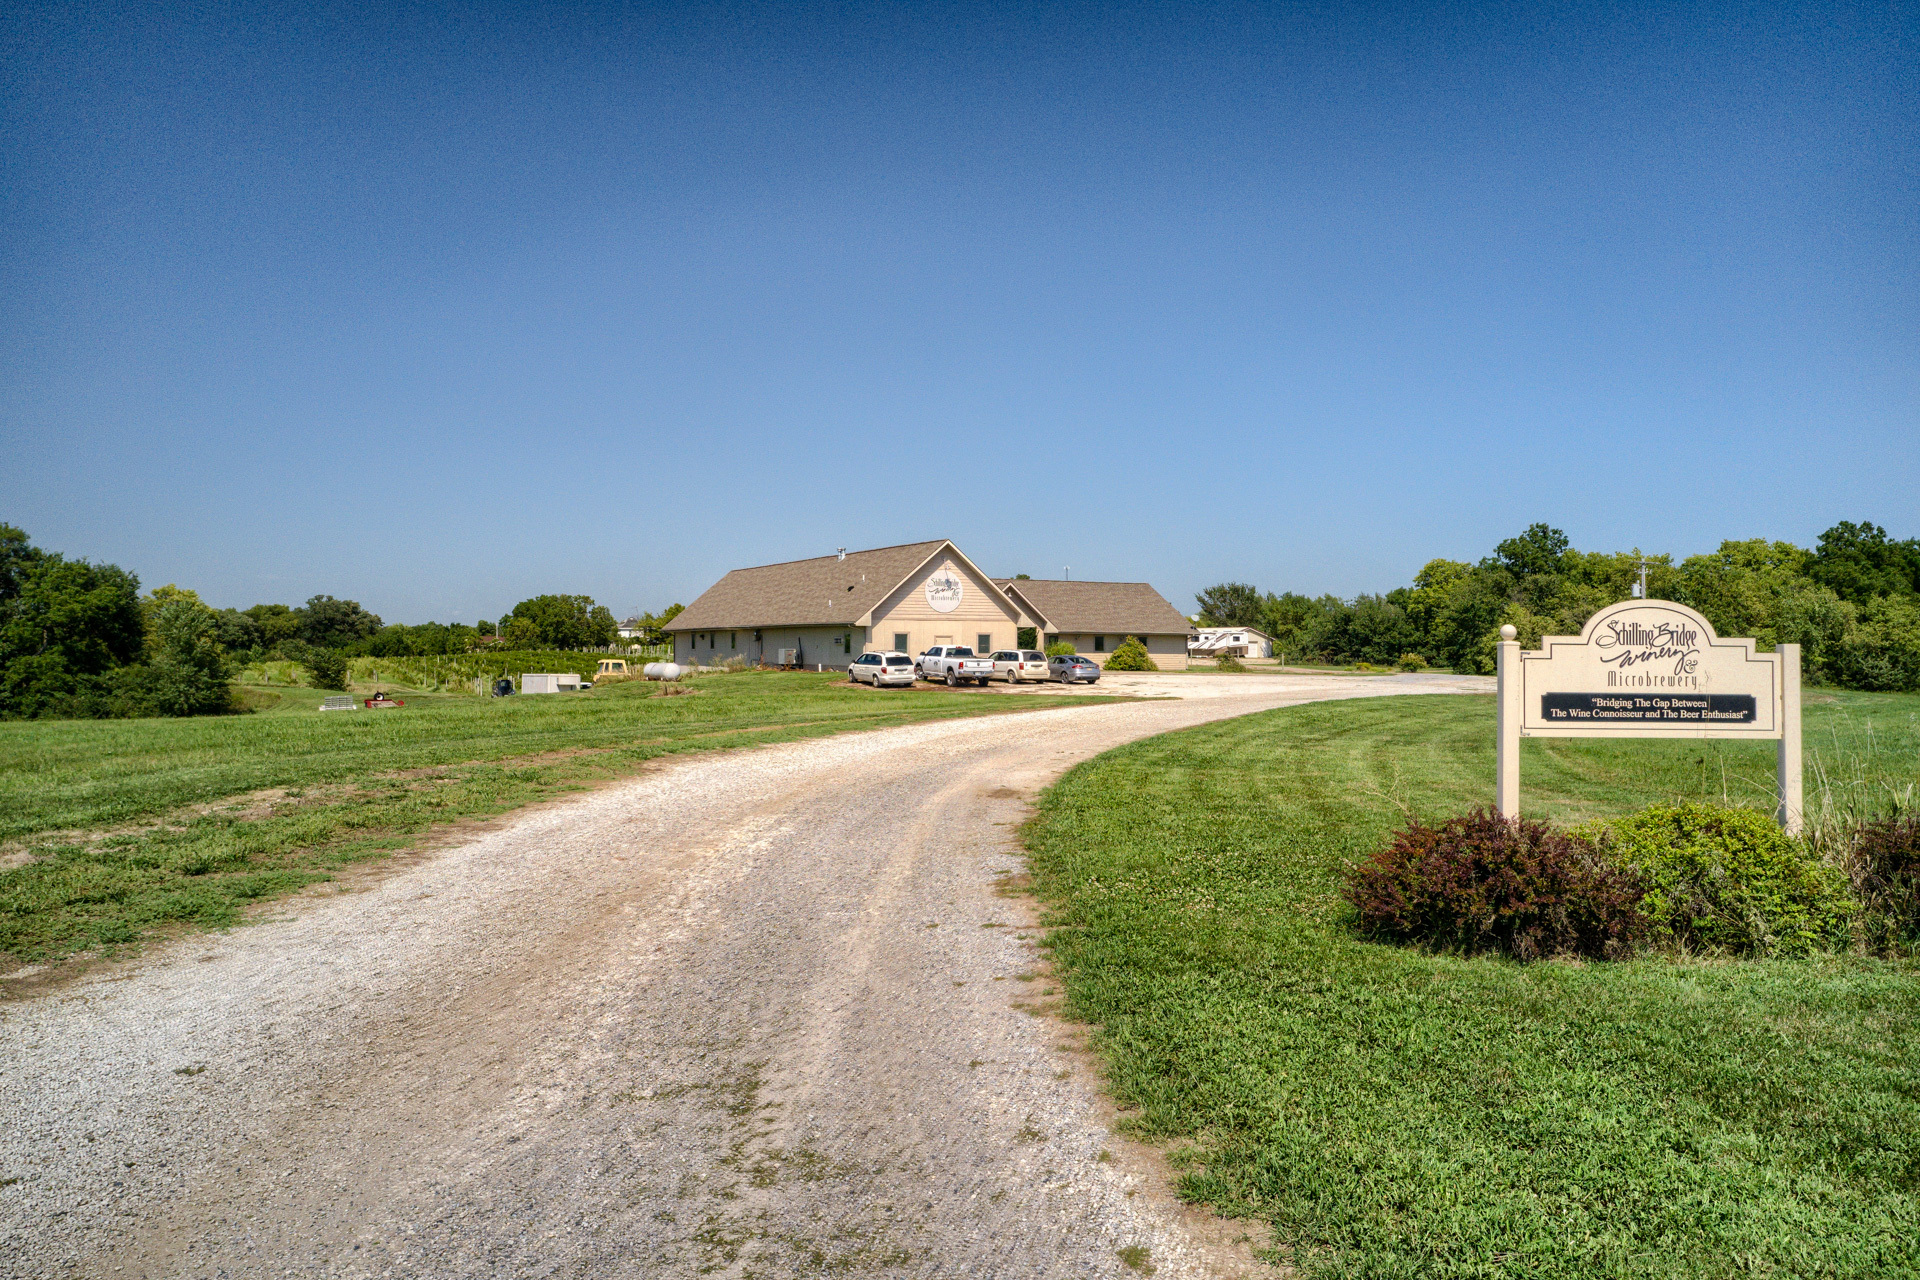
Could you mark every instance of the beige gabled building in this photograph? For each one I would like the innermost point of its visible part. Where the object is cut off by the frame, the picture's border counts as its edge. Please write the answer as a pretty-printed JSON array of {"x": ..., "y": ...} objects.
[{"x": 822, "y": 612}]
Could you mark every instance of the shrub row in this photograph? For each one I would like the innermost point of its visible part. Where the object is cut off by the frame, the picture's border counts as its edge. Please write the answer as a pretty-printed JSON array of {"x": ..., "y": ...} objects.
[{"x": 1692, "y": 876}]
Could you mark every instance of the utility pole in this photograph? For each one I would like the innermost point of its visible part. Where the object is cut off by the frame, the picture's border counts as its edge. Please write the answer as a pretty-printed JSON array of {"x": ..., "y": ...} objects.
[{"x": 1642, "y": 593}]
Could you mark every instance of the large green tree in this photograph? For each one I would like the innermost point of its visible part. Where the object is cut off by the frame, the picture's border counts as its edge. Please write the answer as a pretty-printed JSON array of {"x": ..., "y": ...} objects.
[
  {"x": 278, "y": 623},
  {"x": 564, "y": 622},
  {"x": 1541, "y": 549},
  {"x": 335, "y": 624},
  {"x": 1230, "y": 604},
  {"x": 1860, "y": 561},
  {"x": 186, "y": 670},
  {"x": 653, "y": 626},
  {"x": 64, "y": 626},
  {"x": 1299, "y": 624}
]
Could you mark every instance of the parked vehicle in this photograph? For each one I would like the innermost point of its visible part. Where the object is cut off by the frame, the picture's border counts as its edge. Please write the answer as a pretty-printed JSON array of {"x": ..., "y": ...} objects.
[
  {"x": 955, "y": 664},
  {"x": 1069, "y": 667},
  {"x": 879, "y": 669},
  {"x": 611, "y": 669},
  {"x": 1016, "y": 666}
]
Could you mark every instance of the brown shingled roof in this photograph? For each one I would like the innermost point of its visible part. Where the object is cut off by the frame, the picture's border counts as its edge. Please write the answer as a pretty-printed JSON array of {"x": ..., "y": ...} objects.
[
  {"x": 823, "y": 591},
  {"x": 1110, "y": 608}
]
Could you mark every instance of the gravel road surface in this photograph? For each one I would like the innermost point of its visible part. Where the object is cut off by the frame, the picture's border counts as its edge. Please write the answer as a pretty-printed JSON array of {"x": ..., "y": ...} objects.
[{"x": 752, "y": 1014}]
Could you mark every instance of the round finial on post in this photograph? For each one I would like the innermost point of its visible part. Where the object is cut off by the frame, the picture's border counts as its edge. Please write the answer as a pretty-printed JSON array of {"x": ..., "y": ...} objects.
[{"x": 1508, "y": 632}]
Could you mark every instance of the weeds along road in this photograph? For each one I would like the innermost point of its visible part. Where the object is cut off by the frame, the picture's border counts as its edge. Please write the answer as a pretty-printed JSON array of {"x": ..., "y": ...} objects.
[{"x": 747, "y": 1014}]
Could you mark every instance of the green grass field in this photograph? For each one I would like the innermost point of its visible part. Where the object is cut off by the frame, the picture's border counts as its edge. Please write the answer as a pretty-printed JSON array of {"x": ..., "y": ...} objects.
[
  {"x": 141, "y": 824},
  {"x": 1399, "y": 1114}
]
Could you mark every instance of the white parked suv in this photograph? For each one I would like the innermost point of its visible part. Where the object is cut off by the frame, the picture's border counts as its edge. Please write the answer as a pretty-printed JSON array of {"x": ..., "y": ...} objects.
[
  {"x": 879, "y": 669},
  {"x": 1018, "y": 665}
]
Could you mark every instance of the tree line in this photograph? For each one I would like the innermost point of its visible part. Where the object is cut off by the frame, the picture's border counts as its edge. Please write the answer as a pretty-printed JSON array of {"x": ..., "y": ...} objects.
[
  {"x": 79, "y": 639},
  {"x": 1852, "y": 603}
]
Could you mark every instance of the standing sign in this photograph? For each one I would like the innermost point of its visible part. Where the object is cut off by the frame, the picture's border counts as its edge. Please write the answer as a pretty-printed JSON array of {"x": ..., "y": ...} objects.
[{"x": 1649, "y": 669}]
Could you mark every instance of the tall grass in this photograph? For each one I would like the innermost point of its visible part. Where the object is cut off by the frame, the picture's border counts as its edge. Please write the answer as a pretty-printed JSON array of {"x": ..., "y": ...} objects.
[{"x": 1855, "y": 776}]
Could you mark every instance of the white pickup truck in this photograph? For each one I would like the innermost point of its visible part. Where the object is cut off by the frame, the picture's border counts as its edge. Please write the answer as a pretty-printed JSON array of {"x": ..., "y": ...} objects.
[{"x": 955, "y": 664}]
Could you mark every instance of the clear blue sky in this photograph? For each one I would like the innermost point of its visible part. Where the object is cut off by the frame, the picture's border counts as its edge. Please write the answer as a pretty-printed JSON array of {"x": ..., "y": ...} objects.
[{"x": 436, "y": 307}]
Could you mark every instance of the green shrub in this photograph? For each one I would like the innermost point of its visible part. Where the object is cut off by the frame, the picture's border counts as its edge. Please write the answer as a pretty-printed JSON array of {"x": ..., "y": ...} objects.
[
  {"x": 1061, "y": 649},
  {"x": 185, "y": 672},
  {"x": 1131, "y": 656},
  {"x": 327, "y": 669},
  {"x": 1227, "y": 662},
  {"x": 1483, "y": 882},
  {"x": 1411, "y": 662},
  {"x": 1720, "y": 878},
  {"x": 1883, "y": 651}
]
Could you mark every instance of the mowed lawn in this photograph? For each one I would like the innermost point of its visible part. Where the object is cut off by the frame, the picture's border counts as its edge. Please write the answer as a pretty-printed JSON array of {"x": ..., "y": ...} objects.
[
  {"x": 136, "y": 824},
  {"x": 1395, "y": 1113}
]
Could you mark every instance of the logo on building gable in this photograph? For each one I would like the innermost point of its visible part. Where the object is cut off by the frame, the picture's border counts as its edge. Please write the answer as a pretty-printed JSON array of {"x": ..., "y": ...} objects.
[{"x": 944, "y": 590}]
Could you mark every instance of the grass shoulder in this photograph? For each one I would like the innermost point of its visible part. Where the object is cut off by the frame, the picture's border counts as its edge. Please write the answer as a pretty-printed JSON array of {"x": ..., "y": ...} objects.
[{"x": 1398, "y": 1112}]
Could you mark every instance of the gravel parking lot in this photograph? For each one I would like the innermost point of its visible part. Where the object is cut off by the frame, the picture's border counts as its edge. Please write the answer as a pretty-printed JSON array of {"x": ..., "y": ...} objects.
[{"x": 758, "y": 1013}]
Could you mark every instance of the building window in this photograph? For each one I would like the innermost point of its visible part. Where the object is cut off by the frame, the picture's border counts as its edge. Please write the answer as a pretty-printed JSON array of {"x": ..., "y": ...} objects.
[
  {"x": 1099, "y": 644},
  {"x": 900, "y": 639},
  {"x": 733, "y": 639},
  {"x": 986, "y": 643}
]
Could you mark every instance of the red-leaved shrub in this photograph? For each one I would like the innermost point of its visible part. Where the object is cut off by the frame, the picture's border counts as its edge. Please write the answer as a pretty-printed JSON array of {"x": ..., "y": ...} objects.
[
  {"x": 1487, "y": 883},
  {"x": 1885, "y": 869}
]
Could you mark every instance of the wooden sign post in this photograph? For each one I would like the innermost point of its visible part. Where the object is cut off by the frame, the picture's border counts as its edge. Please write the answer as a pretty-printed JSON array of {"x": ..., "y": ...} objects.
[{"x": 1649, "y": 669}]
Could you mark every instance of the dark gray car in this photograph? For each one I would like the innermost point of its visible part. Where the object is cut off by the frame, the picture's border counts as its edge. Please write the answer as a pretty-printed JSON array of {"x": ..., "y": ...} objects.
[{"x": 1068, "y": 667}]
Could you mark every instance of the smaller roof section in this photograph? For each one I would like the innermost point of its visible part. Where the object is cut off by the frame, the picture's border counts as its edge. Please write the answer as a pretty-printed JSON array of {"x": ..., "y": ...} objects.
[{"x": 1099, "y": 608}]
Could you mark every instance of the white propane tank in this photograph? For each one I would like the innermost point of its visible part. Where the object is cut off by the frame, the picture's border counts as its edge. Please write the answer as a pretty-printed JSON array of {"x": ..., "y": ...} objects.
[{"x": 661, "y": 671}]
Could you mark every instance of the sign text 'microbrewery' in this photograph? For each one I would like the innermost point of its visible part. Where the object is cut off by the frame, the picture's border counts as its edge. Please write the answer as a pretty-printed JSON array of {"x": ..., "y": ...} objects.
[{"x": 1642, "y": 708}]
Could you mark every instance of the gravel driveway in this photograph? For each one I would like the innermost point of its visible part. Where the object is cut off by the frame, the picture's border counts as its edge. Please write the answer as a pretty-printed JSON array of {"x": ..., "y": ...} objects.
[{"x": 747, "y": 1014}]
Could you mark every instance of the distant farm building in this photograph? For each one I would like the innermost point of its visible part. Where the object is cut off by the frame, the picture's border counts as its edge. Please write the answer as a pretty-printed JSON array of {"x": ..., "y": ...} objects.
[{"x": 1238, "y": 642}]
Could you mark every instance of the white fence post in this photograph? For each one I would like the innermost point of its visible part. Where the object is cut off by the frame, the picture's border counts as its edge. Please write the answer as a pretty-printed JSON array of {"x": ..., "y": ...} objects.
[
  {"x": 1793, "y": 818},
  {"x": 1507, "y": 755}
]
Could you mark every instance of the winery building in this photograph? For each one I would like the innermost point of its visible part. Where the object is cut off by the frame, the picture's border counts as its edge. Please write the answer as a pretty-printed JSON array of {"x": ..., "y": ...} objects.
[{"x": 825, "y": 611}]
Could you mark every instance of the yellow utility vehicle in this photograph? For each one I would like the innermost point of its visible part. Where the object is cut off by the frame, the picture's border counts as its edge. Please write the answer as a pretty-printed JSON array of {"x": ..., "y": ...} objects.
[{"x": 611, "y": 669}]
